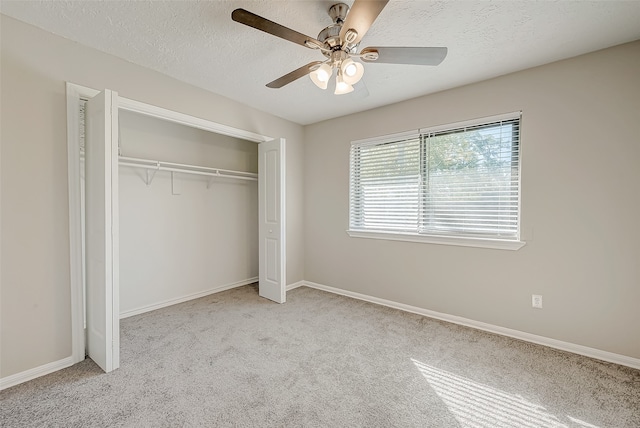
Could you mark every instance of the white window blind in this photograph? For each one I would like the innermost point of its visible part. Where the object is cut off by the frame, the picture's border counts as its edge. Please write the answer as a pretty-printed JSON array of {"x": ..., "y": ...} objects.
[
  {"x": 461, "y": 181},
  {"x": 385, "y": 183}
]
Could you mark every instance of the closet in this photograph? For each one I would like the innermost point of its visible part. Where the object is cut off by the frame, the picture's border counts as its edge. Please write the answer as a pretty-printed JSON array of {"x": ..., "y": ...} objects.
[
  {"x": 186, "y": 229},
  {"x": 164, "y": 208}
]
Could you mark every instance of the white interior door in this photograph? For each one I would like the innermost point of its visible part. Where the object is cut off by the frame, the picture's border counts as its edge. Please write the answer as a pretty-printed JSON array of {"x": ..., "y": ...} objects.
[
  {"x": 101, "y": 204},
  {"x": 271, "y": 211}
]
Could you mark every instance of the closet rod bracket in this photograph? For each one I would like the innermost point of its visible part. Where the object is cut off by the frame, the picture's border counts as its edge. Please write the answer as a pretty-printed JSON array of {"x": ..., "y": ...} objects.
[
  {"x": 151, "y": 173},
  {"x": 215, "y": 175}
]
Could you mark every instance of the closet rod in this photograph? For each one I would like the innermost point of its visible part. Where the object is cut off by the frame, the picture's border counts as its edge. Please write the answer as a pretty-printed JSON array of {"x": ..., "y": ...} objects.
[
  {"x": 188, "y": 169},
  {"x": 182, "y": 165}
]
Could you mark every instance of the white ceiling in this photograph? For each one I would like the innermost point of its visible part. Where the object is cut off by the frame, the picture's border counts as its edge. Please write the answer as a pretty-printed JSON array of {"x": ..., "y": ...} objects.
[{"x": 197, "y": 42}]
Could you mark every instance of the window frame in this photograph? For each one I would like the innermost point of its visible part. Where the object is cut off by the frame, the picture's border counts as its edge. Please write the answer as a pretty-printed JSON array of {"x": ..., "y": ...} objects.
[{"x": 444, "y": 239}]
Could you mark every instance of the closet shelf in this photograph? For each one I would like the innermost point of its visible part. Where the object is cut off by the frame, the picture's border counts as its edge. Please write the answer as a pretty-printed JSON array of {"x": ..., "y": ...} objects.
[{"x": 152, "y": 166}]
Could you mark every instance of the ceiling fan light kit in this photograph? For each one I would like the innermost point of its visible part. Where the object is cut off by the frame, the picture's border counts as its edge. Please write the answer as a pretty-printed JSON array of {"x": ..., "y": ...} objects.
[
  {"x": 339, "y": 43},
  {"x": 321, "y": 75},
  {"x": 342, "y": 87},
  {"x": 352, "y": 71},
  {"x": 348, "y": 73}
]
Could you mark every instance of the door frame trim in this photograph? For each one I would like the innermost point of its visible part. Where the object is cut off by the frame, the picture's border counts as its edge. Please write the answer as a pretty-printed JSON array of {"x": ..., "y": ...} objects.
[{"x": 75, "y": 93}]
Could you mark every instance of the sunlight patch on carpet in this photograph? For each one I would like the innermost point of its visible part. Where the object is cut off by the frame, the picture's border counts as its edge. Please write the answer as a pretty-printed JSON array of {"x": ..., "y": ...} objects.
[
  {"x": 475, "y": 405},
  {"x": 581, "y": 423}
]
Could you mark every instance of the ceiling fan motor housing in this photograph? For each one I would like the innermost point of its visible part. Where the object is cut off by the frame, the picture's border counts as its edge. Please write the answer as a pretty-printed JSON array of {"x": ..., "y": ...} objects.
[
  {"x": 338, "y": 12},
  {"x": 330, "y": 35}
]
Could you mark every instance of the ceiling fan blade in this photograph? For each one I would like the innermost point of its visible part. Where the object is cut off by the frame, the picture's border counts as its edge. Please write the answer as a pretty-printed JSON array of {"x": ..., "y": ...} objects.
[
  {"x": 294, "y": 75},
  {"x": 360, "y": 17},
  {"x": 256, "y": 21},
  {"x": 406, "y": 55},
  {"x": 360, "y": 90}
]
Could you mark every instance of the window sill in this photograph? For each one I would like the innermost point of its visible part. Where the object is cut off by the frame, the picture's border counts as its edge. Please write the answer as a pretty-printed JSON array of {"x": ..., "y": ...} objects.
[{"x": 496, "y": 244}]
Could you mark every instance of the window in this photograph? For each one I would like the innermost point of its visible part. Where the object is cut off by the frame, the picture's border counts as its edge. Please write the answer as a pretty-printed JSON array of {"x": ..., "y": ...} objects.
[{"x": 457, "y": 184}]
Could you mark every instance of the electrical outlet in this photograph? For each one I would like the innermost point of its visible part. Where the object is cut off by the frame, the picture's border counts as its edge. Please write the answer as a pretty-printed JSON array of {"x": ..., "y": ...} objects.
[{"x": 536, "y": 301}]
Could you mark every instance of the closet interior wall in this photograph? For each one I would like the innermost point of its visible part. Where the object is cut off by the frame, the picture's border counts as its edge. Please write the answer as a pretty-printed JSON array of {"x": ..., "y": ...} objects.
[{"x": 183, "y": 235}]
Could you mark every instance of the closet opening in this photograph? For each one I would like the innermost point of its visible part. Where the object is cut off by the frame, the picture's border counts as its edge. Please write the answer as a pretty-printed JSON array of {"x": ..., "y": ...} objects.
[
  {"x": 188, "y": 210},
  {"x": 196, "y": 208}
]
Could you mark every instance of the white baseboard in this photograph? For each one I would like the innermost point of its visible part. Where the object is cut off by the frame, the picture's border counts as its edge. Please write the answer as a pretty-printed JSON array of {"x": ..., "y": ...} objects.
[
  {"x": 15, "y": 379},
  {"x": 295, "y": 285},
  {"x": 170, "y": 302},
  {"x": 516, "y": 334},
  {"x": 623, "y": 360}
]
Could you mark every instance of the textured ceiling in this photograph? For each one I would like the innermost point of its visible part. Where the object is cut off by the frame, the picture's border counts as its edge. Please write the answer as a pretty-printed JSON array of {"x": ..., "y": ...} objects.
[{"x": 197, "y": 42}]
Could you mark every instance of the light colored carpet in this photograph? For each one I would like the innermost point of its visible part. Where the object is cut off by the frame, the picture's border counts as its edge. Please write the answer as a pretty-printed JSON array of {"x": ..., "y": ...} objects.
[{"x": 321, "y": 360}]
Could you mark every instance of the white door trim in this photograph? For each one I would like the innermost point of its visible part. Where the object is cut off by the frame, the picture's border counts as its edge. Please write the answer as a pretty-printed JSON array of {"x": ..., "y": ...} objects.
[
  {"x": 74, "y": 94},
  {"x": 192, "y": 121}
]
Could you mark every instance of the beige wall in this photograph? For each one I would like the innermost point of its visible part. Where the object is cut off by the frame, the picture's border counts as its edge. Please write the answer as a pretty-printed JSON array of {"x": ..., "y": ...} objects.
[
  {"x": 579, "y": 186},
  {"x": 35, "y": 292},
  {"x": 580, "y": 207}
]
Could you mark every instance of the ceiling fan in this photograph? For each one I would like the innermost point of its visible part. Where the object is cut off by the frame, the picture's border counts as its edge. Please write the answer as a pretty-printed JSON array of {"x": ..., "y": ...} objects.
[{"x": 339, "y": 43}]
